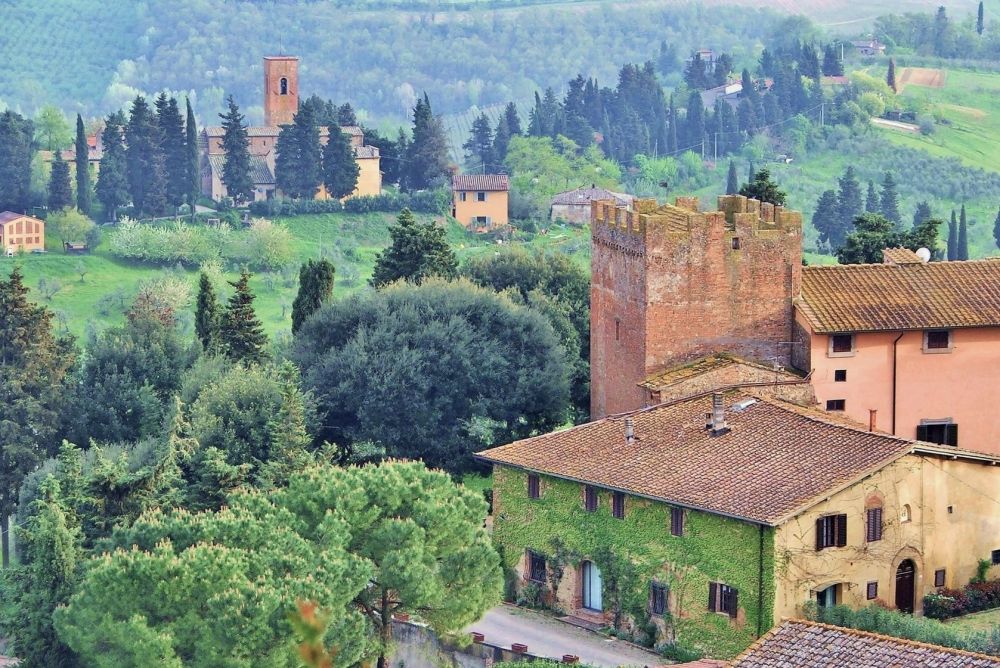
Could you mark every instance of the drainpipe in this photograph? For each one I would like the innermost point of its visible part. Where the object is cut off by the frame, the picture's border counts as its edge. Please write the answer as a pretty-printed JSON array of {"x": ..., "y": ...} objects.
[
  {"x": 760, "y": 583},
  {"x": 894, "y": 342}
]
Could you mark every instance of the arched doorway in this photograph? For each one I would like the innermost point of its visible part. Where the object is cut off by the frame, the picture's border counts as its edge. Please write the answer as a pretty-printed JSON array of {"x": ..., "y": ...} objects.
[
  {"x": 591, "y": 576},
  {"x": 906, "y": 574}
]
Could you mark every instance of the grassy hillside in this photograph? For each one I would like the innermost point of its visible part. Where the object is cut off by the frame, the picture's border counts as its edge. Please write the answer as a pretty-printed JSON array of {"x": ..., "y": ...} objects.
[
  {"x": 350, "y": 241},
  {"x": 969, "y": 106}
]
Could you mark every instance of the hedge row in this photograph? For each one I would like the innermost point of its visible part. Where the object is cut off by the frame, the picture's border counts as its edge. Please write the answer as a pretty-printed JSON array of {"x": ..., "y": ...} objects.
[
  {"x": 947, "y": 603},
  {"x": 426, "y": 201}
]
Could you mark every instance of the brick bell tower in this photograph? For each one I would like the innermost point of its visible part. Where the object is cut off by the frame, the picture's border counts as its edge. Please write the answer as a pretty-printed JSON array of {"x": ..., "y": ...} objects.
[
  {"x": 670, "y": 284},
  {"x": 281, "y": 89}
]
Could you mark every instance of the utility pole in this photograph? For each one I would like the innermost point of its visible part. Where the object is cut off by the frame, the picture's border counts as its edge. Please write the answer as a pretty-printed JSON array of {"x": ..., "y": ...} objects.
[{"x": 822, "y": 115}]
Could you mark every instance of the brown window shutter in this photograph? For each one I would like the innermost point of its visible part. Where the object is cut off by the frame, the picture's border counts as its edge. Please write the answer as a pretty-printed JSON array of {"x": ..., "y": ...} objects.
[
  {"x": 951, "y": 434},
  {"x": 713, "y": 589},
  {"x": 841, "y": 530},
  {"x": 878, "y": 523},
  {"x": 820, "y": 543},
  {"x": 734, "y": 600},
  {"x": 922, "y": 432}
]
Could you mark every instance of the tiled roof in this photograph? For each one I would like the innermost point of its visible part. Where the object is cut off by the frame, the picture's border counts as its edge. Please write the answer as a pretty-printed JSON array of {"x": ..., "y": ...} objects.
[
  {"x": 587, "y": 195},
  {"x": 704, "y": 365},
  {"x": 800, "y": 644},
  {"x": 900, "y": 256},
  {"x": 366, "y": 152},
  {"x": 8, "y": 216},
  {"x": 775, "y": 461},
  {"x": 260, "y": 173},
  {"x": 480, "y": 182},
  {"x": 887, "y": 297}
]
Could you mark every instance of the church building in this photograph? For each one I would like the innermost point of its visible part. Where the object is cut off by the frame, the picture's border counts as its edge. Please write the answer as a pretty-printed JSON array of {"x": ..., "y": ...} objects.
[{"x": 281, "y": 102}]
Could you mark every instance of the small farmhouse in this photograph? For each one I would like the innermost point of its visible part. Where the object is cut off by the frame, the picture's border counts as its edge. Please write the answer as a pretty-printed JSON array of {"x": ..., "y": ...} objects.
[
  {"x": 573, "y": 206},
  {"x": 707, "y": 519},
  {"x": 19, "y": 232},
  {"x": 479, "y": 201}
]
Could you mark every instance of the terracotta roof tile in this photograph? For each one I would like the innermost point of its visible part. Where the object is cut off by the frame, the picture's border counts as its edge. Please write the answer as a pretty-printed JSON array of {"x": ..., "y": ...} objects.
[
  {"x": 900, "y": 256},
  {"x": 273, "y": 130},
  {"x": 260, "y": 173},
  {"x": 703, "y": 365},
  {"x": 366, "y": 152},
  {"x": 480, "y": 182},
  {"x": 798, "y": 644},
  {"x": 587, "y": 195},
  {"x": 886, "y": 297},
  {"x": 7, "y": 216},
  {"x": 775, "y": 461}
]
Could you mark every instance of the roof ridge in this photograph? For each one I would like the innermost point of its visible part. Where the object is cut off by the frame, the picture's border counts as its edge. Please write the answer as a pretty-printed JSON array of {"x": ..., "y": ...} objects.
[{"x": 881, "y": 636}]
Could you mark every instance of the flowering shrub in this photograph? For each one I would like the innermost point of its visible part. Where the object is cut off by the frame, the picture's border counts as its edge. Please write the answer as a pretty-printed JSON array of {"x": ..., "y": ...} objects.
[{"x": 973, "y": 597}]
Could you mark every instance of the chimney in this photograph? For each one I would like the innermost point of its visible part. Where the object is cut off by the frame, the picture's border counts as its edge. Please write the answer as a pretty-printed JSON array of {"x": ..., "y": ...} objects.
[
  {"x": 718, "y": 415},
  {"x": 629, "y": 431}
]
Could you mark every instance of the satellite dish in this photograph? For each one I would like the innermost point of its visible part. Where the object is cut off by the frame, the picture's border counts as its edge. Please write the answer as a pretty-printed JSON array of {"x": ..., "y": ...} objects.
[{"x": 924, "y": 254}]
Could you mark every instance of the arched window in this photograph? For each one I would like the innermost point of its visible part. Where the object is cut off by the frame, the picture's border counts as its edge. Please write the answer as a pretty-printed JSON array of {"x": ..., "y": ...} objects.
[
  {"x": 283, "y": 86},
  {"x": 904, "y": 513}
]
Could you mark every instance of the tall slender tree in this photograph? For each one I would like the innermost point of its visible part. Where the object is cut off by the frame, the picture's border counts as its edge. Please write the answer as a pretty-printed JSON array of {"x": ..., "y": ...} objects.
[
  {"x": 889, "y": 201},
  {"x": 921, "y": 214},
  {"x": 16, "y": 149},
  {"x": 732, "y": 181},
  {"x": 501, "y": 140},
  {"x": 241, "y": 332},
  {"x": 979, "y": 19},
  {"x": 315, "y": 288},
  {"x": 479, "y": 146},
  {"x": 112, "y": 183},
  {"x": 172, "y": 145},
  {"x": 299, "y": 161},
  {"x": 236, "y": 144},
  {"x": 872, "y": 203},
  {"x": 694, "y": 136},
  {"x": 340, "y": 169},
  {"x": 832, "y": 65},
  {"x": 82, "y": 160},
  {"x": 996, "y": 229},
  {"x": 144, "y": 160},
  {"x": 60, "y": 191},
  {"x": 953, "y": 237},
  {"x": 963, "y": 236},
  {"x": 206, "y": 315},
  {"x": 848, "y": 203},
  {"x": 890, "y": 77},
  {"x": 513, "y": 119},
  {"x": 427, "y": 154},
  {"x": 826, "y": 220},
  {"x": 193, "y": 162}
]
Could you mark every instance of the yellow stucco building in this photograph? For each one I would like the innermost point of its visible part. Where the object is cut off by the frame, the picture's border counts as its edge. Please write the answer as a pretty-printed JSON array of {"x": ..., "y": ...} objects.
[
  {"x": 19, "y": 232},
  {"x": 479, "y": 201}
]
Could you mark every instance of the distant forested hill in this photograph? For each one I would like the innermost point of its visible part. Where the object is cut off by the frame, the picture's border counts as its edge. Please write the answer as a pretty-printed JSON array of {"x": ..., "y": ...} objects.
[{"x": 93, "y": 56}]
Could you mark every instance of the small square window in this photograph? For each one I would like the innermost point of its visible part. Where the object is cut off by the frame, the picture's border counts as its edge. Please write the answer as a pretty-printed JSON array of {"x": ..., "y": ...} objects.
[
  {"x": 618, "y": 505},
  {"x": 589, "y": 498},
  {"x": 536, "y": 567},
  {"x": 723, "y": 598},
  {"x": 995, "y": 557},
  {"x": 937, "y": 339},
  {"x": 872, "y": 593},
  {"x": 831, "y": 531},
  {"x": 736, "y": 243},
  {"x": 480, "y": 197},
  {"x": 534, "y": 489},
  {"x": 677, "y": 522},
  {"x": 842, "y": 343},
  {"x": 840, "y": 376},
  {"x": 461, "y": 196},
  {"x": 835, "y": 404},
  {"x": 939, "y": 577}
]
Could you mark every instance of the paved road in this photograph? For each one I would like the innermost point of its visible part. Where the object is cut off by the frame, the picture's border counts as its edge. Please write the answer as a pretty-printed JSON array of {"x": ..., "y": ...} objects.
[
  {"x": 549, "y": 637},
  {"x": 896, "y": 125}
]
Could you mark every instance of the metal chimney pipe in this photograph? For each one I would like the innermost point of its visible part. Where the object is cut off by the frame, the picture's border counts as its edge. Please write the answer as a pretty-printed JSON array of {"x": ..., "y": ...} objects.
[
  {"x": 629, "y": 431},
  {"x": 719, "y": 426}
]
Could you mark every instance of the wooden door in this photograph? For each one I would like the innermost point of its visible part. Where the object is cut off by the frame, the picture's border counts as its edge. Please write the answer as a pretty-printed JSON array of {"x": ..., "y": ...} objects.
[{"x": 905, "y": 578}]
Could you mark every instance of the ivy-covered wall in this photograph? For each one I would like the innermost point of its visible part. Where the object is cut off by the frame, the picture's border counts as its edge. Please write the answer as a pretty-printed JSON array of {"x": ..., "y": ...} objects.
[{"x": 634, "y": 551}]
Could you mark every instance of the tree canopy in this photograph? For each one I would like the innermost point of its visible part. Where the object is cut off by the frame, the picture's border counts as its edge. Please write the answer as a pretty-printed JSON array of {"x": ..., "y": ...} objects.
[{"x": 417, "y": 252}]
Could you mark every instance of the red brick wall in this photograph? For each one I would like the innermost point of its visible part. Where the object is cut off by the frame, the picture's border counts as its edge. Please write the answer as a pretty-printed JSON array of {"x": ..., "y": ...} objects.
[
  {"x": 680, "y": 290},
  {"x": 278, "y": 108}
]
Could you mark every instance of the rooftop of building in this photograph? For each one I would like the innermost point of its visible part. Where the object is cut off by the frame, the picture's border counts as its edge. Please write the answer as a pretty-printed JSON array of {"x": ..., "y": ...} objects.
[
  {"x": 491, "y": 182},
  {"x": 797, "y": 643},
  {"x": 683, "y": 372},
  {"x": 8, "y": 216},
  {"x": 685, "y": 214},
  {"x": 274, "y": 130},
  {"x": 260, "y": 173},
  {"x": 775, "y": 461},
  {"x": 900, "y": 256},
  {"x": 366, "y": 152},
  {"x": 901, "y": 296},
  {"x": 586, "y": 195}
]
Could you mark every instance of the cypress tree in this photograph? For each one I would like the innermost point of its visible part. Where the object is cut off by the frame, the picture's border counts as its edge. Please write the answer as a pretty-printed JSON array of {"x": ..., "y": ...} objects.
[
  {"x": 144, "y": 162},
  {"x": 762, "y": 188},
  {"x": 732, "y": 181},
  {"x": 16, "y": 149},
  {"x": 340, "y": 169},
  {"x": 890, "y": 78},
  {"x": 193, "y": 162},
  {"x": 513, "y": 120},
  {"x": 428, "y": 149},
  {"x": 953, "y": 237},
  {"x": 826, "y": 218},
  {"x": 172, "y": 140},
  {"x": 963, "y": 236},
  {"x": 315, "y": 288},
  {"x": 82, "y": 159},
  {"x": 417, "y": 251},
  {"x": 299, "y": 161},
  {"x": 346, "y": 115},
  {"x": 849, "y": 205},
  {"x": 672, "y": 136},
  {"x": 241, "y": 332},
  {"x": 996, "y": 229},
  {"x": 206, "y": 315},
  {"x": 479, "y": 146},
  {"x": 751, "y": 172},
  {"x": 501, "y": 140},
  {"x": 889, "y": 202},
  {"x": 979, "y": 19},
  {"x": 236, "y": 144},
  {"x": 872, "y": 203},
  {"x": 694, "y": 137},
  {"x": 921, "y": 214},
  {"x": 60, "y": 191},
  {"x": 832, "y": 66},
  {"x": 112, "y": 184}
]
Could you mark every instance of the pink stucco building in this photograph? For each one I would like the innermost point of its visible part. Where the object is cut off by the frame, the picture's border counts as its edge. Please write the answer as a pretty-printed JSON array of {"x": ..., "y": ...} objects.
[{"x": 908, "y": 347}]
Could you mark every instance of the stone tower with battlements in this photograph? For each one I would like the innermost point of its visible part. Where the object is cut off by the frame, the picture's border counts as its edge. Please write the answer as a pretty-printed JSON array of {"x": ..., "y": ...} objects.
[
  {"x": 281, "y": 89},
  {"x": 670, "y": 284}
]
